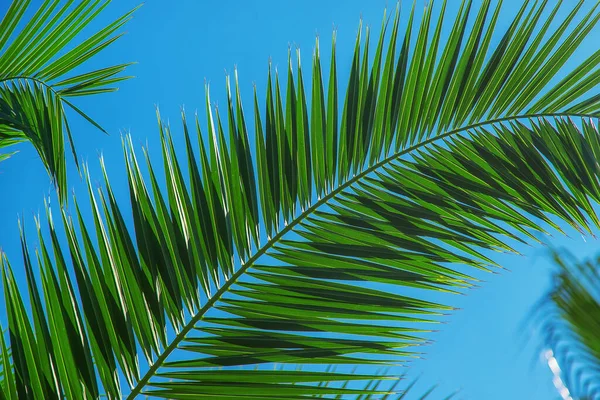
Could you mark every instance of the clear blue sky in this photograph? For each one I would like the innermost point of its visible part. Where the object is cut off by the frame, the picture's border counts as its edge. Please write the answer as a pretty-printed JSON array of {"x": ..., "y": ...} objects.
[{"x": 180, "y": 43}]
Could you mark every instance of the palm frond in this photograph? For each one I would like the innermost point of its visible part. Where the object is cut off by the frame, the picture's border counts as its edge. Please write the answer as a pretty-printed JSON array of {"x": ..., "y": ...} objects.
[
  {"x": 6, "y": 156},
  {"x": 568, "y": 318},
  {"x": 320, "y": 246},
  {"x": 37, "y": 79}
]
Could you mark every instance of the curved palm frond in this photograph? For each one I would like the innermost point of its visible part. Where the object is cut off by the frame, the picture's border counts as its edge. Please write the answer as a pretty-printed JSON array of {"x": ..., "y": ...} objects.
[
  {"x": 37, "y": 82},
  {"x": 319, "y": 247},
  {"x": 568, "y": 318},
  {"x": 407, "y": 392}
]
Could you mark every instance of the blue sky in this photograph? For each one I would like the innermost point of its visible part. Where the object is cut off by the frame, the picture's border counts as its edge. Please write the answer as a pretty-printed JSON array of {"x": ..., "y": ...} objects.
[{"x": 180, "y": 44}]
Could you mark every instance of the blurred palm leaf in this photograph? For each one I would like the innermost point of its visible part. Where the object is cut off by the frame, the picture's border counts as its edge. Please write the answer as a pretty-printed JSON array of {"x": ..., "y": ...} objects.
[
  {"x": 38, "y": 60},
  {"x": 317, "y": 243},
  {"x": 568, "y": 318}
]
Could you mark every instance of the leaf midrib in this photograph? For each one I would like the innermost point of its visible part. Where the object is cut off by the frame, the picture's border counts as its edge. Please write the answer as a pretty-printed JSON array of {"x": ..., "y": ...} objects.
[
  {"x": 271, "y": 242},
  {"x": 45, "y": 84},
  {"x": 30, "y": 78},
  {"x": 48, "y": 86}
]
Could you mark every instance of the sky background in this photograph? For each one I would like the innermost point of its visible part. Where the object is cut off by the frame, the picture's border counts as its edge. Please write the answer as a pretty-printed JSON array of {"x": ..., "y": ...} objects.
[{"x": 179, "y": 44}]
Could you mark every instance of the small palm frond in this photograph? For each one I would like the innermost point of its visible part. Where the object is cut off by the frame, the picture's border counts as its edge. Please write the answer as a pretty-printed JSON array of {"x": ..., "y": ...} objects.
[
  {"x": 409, "y": 393},
  {"x": 6, "y": 155},
  {"x": 568, "y": 318},
  {"x": 318, "y": 243},
  {"x": 399, "y": 391},
  {"x": 37, "y": 83}
]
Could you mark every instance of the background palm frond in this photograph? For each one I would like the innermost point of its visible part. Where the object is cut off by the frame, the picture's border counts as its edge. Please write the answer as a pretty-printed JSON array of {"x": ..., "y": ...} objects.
[
  {"x": 38, "y": 60},
  {"x": 322, "y": 245},
  {"x": 568, "y": 318}
]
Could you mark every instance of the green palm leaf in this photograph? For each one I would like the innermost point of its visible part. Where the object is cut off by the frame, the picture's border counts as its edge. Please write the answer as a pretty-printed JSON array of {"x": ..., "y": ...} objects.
[
  {"x": 567, "y": 318},
  {"x": 319, "y": 247},
  {"x": 37, "y": 80}
]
